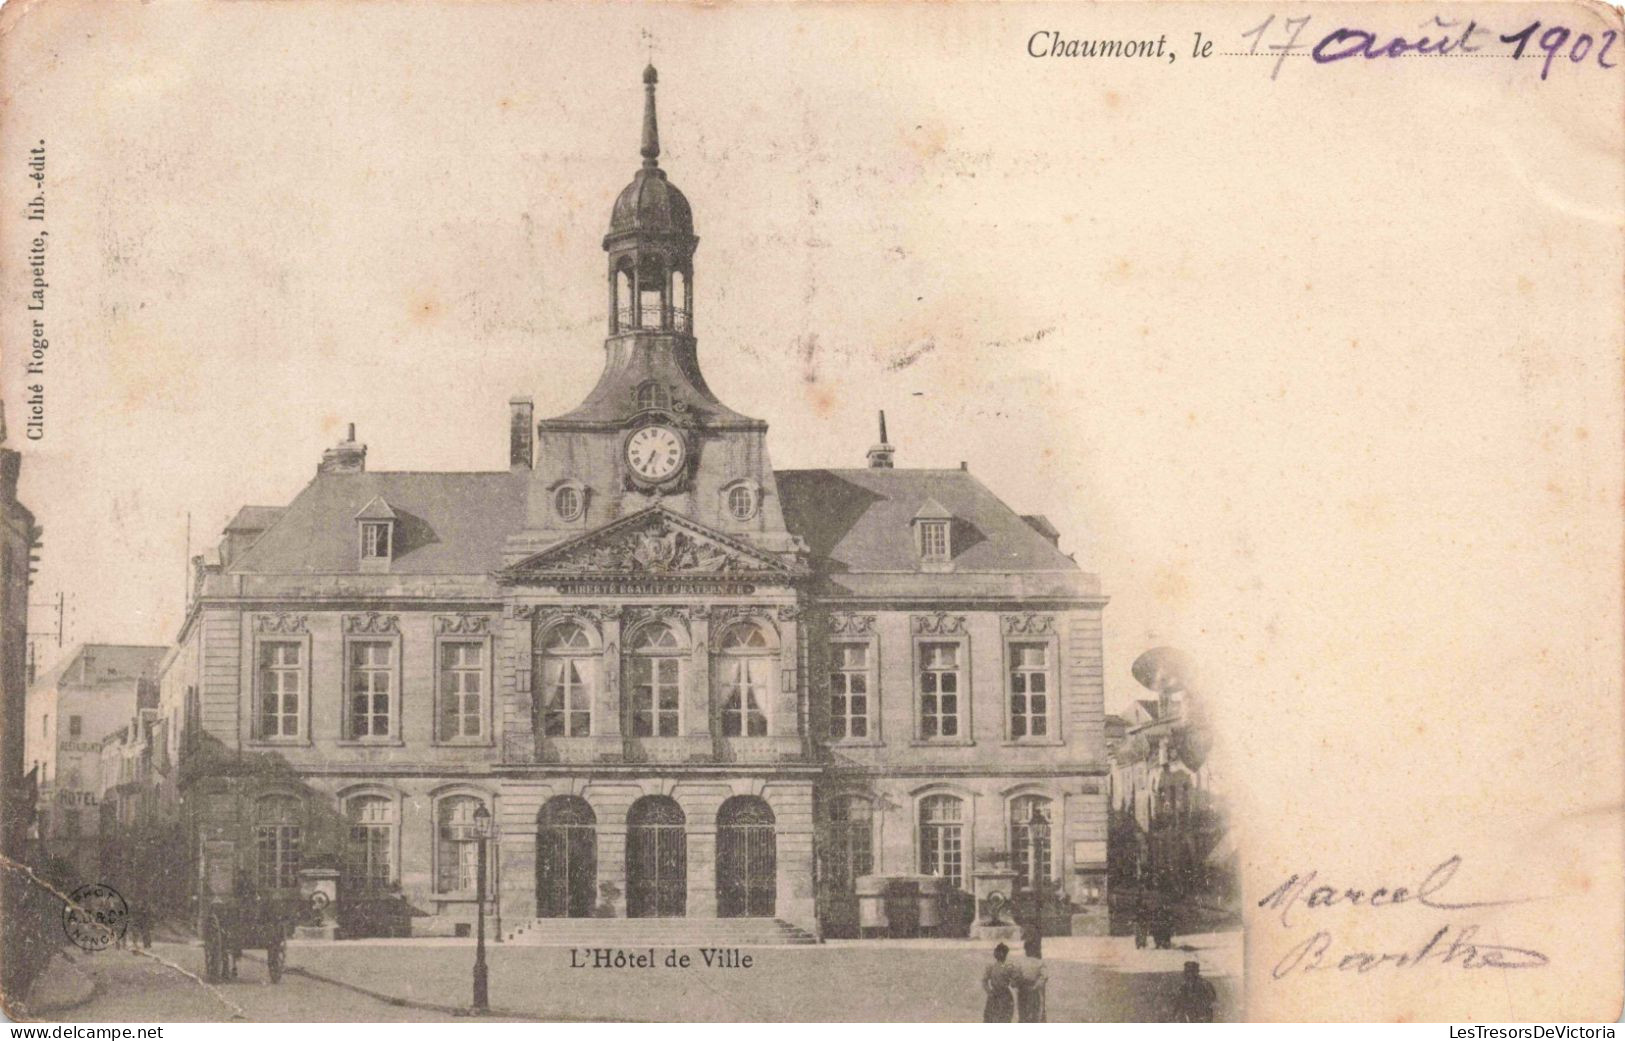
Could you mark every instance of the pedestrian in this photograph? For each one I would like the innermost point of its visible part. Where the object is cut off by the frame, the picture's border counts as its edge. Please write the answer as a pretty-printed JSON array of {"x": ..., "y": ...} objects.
[
  {"x": 1162, "y": 924},
  {"x": 1031, "y": 980},
  {"x": 1194, "y": 1001},
  {"x": 1139, "y": 920},
  {"x": 996, "y": 983}
]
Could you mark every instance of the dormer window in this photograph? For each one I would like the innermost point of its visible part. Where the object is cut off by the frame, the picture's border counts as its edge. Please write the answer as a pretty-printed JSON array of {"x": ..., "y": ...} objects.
[
  {"x": 653, "y": 395},
  {"x": 569, "y": 501},
  {"x": 375, "y": 540},
  {"x": 934, "y": 540},
  {"x": 933, "y": 533},
  {"x": 376, "y": 523},
  {"x": 741, "y": 500}
]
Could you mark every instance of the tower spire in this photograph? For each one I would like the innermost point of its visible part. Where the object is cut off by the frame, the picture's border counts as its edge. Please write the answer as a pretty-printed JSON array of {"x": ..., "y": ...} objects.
[{"x": 651, "y": 131}]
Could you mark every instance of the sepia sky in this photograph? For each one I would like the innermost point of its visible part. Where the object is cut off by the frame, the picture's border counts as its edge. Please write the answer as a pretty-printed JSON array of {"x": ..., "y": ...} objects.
[
  {"x": 1301, "y": 389},
  {"x": 1319, "y": 372}
]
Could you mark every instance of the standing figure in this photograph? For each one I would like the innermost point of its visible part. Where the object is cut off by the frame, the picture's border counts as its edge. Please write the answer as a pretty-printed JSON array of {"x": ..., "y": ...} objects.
[
  {"x": 1140, "y": 935},
  {"x": 1031, "y": 981},
  {"x": 996, "y": 982},
  {"x": 1162, "y": 923},
  {"x": 1194, "y": 1001}
]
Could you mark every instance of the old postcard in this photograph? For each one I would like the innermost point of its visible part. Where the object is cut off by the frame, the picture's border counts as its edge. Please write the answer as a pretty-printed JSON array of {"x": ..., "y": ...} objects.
[{"x": 889, "y": 512}]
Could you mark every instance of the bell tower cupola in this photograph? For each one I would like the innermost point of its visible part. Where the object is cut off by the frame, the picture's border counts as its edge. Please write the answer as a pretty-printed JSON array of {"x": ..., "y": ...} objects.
[{"x": 651, "y": 244}]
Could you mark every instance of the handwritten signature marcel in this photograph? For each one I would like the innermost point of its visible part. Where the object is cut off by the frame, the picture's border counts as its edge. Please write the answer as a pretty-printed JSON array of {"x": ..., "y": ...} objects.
[{"x": 1449, "y": 944}]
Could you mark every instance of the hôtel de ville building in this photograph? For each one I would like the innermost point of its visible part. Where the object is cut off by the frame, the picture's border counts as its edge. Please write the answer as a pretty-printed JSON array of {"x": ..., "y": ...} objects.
[{"x": 682, "y": 683}]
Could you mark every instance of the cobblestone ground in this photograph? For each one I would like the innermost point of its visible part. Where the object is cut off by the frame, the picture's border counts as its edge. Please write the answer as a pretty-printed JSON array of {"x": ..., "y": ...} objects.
[{"x": 1090, "y": 981}]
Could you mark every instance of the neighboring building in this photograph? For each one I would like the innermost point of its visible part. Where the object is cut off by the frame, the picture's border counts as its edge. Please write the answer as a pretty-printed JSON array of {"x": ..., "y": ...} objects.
[
  {"x": 682, "y": 682},
  {"x": 19, "y": 538},
  {"x": 1168, "y": 824},
  {"x": 71, "y": 709}
]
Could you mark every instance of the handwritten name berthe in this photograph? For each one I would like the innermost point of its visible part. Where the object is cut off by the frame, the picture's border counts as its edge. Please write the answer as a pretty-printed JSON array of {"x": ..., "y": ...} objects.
[{"x": 1449, "y": 944}]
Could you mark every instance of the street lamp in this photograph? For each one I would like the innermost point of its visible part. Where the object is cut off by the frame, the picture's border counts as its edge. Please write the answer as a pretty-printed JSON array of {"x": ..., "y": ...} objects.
[
  {"x": 482, "y": 832},
  {"x": 1038, "y": 830}
]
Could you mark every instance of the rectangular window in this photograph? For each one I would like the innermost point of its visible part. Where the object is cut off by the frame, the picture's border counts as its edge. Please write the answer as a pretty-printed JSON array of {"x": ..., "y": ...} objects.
[
  {"x": 278, "y": 849},
  {"x": 939, "y": 689},
  {"x": 372, "y": 674},
  {"x": 1029, "y": 689},
  {"x": 655, "y": 696},
  {"x": 462, "y": 690},
  {"x": 76, "y": 726},
  {"x": 375, "y": 540},
  {"x": 849, "y": 686},
  {"x": 282, "y": 688},
  {"x": 567, "y": 692},
  {"x": 934, "y": 540}
]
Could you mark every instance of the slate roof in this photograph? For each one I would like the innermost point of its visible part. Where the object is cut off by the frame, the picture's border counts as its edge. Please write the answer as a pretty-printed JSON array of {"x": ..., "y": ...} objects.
[
  {"x": 861, "y": 520},
  {"x": 254, "y": 518},
  {"x": 445, "y": 523}
]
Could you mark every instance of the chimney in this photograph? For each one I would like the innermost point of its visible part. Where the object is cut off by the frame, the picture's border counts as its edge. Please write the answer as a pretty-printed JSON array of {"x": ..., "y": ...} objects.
[
  {"x": 881, "y": 455},
  {"x": 346, "y": 457},
  {"x": 521, "y": 435}
]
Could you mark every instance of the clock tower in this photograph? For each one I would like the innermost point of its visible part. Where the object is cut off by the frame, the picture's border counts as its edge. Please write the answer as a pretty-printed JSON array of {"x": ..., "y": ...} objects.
[{"x": 652, "y": 432}]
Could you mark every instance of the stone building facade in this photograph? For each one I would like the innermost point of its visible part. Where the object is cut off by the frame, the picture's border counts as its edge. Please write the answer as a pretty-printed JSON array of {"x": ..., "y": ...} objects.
[
  {"x": 684, "y": 683},
  {"x": 88, "y": 695}
]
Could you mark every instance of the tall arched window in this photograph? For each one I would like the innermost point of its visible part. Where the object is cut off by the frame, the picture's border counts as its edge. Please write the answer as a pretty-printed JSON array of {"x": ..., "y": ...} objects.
[
  {"x": 1032, "y": 837},
  {"x": 655, "y": 672},
  {"x": 369, "y": 855},
  {"x": 623, "y": 298},
  {"x": 457, "y": 852},
  {"x": 279, "y": 832},
  {"x": 568, "y": 670},
  {"x": 681, "y": 307},
  {"x": 942, "y": 837},
  {"x": 744, "y": 670}
]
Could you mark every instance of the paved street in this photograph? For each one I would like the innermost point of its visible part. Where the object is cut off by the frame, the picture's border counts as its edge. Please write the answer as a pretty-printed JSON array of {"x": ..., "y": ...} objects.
[{"x": 937, "y": 981}]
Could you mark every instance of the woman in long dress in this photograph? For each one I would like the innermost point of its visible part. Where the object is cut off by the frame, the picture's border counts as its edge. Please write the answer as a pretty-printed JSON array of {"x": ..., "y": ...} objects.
[{"x": 1001, "y": 1004}]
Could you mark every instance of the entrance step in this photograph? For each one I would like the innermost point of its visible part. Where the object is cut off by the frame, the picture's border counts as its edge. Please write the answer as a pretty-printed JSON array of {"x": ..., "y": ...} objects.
[{"x": 658, "y": 932}]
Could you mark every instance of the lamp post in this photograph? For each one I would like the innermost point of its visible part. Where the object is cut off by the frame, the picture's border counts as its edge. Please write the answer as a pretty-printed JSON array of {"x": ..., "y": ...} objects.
[
  {"x": 1038, "y": 830},
  {"x": 482, "y": 832}
]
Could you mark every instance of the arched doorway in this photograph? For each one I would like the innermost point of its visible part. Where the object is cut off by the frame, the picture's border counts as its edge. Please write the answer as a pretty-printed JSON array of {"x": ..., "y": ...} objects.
[
  {"x": 656, "y": 859},
  {"x": 747, "y": 859},
  {"x": 566, "y": 859}
]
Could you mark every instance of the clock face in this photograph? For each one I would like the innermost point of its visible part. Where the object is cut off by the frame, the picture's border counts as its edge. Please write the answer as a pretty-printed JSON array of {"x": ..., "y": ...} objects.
[{"x": 655, "y": 453}]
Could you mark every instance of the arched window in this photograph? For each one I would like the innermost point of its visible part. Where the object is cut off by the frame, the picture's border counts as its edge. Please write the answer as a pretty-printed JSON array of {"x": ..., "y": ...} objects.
[
  {"x": 942, "y": 837},
  {"x": 742, "y": 501},
  {"x": 744, "y": 670},
  {"x": 568, "y": 669},
  {"x": 681, "y": 306},
  {"x": 653, "y": 395},
  {"x": 623, "y": 299},
  {"x": 1032, "y": 838},
  {"x": 457, "y": 853},
  {"x": 279, "y": 832},
  {"x": 651, "y": 294},
  {"x": 369, "y": 855},
  {"x": 655, "y": 681},
  {"x": 849, "y": 841}
]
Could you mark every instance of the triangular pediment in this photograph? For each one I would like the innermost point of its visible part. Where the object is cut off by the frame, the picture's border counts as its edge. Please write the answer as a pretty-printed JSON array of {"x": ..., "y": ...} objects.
[{"x": 651, "y": 543}]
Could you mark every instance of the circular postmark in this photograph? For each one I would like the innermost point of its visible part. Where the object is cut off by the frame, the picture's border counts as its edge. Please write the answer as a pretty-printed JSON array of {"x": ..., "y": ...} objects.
[{"x": 95, "y": 916}]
